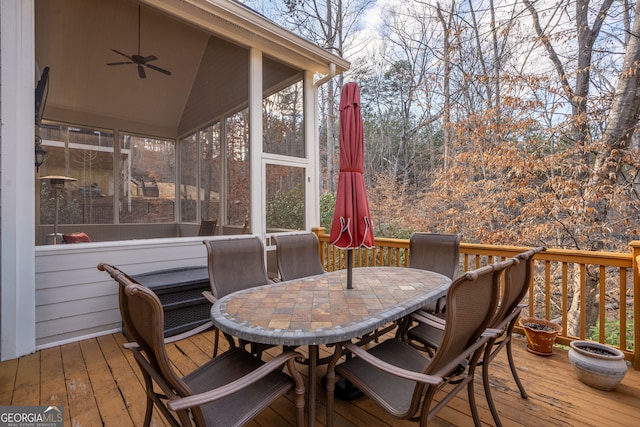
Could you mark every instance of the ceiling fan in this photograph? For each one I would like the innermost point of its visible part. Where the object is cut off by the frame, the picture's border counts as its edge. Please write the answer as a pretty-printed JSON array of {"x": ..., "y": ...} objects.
[{"x": 139, "y": 60}]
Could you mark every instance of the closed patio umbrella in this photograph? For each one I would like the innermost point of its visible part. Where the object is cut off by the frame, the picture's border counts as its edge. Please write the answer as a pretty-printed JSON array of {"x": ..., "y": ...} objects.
[{"x": 351, "y": 227}]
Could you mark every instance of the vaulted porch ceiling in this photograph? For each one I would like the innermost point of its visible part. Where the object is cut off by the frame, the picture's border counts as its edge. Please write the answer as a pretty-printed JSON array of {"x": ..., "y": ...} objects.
[{"x": 209, "y": 72}]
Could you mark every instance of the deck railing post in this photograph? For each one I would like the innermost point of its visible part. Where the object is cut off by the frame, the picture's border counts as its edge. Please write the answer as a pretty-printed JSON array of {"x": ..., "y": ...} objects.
[
  {"x": 635, "y": 248},
  {"x": 319, "y": 231}
]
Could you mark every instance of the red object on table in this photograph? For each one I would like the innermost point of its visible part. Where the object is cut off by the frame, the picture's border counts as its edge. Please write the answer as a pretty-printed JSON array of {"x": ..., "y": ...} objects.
[{"x": 351, "y": 226}]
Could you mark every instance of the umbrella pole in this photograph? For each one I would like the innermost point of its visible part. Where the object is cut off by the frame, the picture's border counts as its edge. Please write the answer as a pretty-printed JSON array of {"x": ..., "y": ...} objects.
[
  {"x": 345, "y": 390},
  {"x": 349, "y": 269}
]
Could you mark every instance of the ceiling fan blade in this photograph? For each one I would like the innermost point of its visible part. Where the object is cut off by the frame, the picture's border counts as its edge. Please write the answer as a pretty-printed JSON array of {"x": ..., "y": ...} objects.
[
  {"x": 139, "y": 60},
  {"x": 123, "y": 54},
  {"x": 162, "y": 70}
]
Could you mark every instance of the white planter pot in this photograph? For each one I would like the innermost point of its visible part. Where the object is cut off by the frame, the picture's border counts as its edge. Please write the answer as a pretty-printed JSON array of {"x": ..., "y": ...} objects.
[{"x": 602, "y": 368}]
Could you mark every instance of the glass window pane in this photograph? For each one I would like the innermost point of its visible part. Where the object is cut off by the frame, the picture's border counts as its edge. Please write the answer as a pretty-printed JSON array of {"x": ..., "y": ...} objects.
[
  {"x": 238, "y": 172},
  {"x": 188, "y": 179},
  {"x": 87, "y": 156},
  {"x": 283, "y": 122},
  {"x": 285, "y": 192},
  {"x": 210, "y": 172},
  {"x": 147, "y": 193}
]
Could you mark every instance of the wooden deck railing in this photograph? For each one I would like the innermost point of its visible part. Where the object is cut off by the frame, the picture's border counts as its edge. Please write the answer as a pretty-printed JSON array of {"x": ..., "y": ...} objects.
[{"x": 616, "y": 277}]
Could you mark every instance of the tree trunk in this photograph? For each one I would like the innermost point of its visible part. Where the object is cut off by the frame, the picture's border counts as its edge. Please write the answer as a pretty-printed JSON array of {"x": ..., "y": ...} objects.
[
  {"x": 596, "y": 205},
  {"x": 590, "y": 309},
  {"x": 616, "y": 139},
  {"x": 446, "y": 121}
]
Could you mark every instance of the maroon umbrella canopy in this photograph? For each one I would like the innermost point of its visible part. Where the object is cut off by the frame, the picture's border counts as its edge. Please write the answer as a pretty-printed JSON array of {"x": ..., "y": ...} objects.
[{"x": 351, "y": 226}]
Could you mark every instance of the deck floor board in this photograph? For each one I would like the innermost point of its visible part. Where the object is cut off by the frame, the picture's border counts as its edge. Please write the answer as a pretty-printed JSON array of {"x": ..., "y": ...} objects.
[{"x": 98, "y": 383}]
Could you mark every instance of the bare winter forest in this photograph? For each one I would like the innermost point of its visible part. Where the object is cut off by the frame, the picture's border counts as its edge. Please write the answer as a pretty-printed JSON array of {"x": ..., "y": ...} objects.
[{"x": 511, "y": 122}]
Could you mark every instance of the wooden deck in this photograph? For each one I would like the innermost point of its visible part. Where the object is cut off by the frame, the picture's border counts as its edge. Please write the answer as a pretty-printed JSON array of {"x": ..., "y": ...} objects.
[{"x": 98, "y": 383}]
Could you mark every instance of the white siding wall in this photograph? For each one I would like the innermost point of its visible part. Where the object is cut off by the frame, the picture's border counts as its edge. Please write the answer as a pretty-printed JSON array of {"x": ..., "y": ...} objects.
[{"x": 74, "y": 300}]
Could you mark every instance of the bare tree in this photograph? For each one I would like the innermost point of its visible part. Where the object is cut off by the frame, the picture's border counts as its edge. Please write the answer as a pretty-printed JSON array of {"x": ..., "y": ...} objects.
[
  {"x": 413, "y": 87},
  {"x": 578, "y": 93},
  {"x": 603, "y": 159},
  {"x": 447, "y": 24}
]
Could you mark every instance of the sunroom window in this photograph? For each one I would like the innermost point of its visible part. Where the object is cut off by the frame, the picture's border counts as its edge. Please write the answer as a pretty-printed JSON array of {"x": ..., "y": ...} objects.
[
  {"x": 83, "y": 154},
  {"x": 238, "y": 168},
  {"x": 148, "y": 184},
  {"x": 203, "y": 159},
  {"x": 210, "y": 171},
  {"x": 188, "y": 178},
  {"x": 144, "y": 185},
  {"x": 283, "y": 122},
  {"x": 285, "y": 194}
]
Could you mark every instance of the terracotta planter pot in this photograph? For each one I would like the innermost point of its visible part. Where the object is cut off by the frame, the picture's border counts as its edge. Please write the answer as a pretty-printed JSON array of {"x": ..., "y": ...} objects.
[
  {"x": 541, "y": 334},
  {"x": 597, "y": 365}
]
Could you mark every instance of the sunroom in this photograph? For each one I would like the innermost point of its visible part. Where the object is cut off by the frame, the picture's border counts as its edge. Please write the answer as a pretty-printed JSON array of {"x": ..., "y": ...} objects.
[
  {"x": 157, "y": 146},
  {"x": 162, "y": 113}
]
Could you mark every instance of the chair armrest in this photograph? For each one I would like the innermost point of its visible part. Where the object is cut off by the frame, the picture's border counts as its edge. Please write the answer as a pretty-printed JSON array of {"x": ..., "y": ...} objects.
[
  {"x": 389, "y": 368},
  {"x": 507, "y": 319},
  {"x": 463, "y": 358},
  {"x": 242, "y": 382},
  {"x": 431, "y": 317},
  {"x": 428, "y": 319},
  {"x": 190, "y": 332},
  {"x": 209, "y": 296},
  {"x": 492, "y": 332}
]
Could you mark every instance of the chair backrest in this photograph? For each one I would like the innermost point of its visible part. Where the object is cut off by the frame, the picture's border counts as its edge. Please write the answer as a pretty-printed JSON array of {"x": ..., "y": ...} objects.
[
  {"x": 297, "y": 255},
  {"x": 435, "y": 252},
  {"x": 472, "y": 300},
  {"x": 143, "y": 319},
  {"x": 235, "y": 264},
  {"x": 516, "y": 284},
  {"x": 207, "y": 228}
]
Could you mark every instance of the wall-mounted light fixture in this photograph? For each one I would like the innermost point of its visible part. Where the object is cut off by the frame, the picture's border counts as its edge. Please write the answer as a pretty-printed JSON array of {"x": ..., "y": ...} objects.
[{"x": 40, "y": 153}]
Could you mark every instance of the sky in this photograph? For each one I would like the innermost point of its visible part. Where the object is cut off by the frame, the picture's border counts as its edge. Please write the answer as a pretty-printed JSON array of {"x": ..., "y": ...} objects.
[{"x": 370, "y": 40}]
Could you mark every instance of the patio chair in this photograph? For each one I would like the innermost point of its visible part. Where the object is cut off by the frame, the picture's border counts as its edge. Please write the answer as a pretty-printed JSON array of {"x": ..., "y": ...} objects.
[
  {"x": 402, "y": 379},
  {"x": 517, "y": 279},
  {"x": 208, "y": 228},
  {"x": 435, "y": 252},
  {"x": 297, "y": 256},
  {"x": 228, "y": 390},
  {"x": 235, "y": 264}
]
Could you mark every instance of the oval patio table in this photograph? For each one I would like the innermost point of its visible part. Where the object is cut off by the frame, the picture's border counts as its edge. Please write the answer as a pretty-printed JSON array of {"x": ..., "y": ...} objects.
[{"x": 321, "y": 310}]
